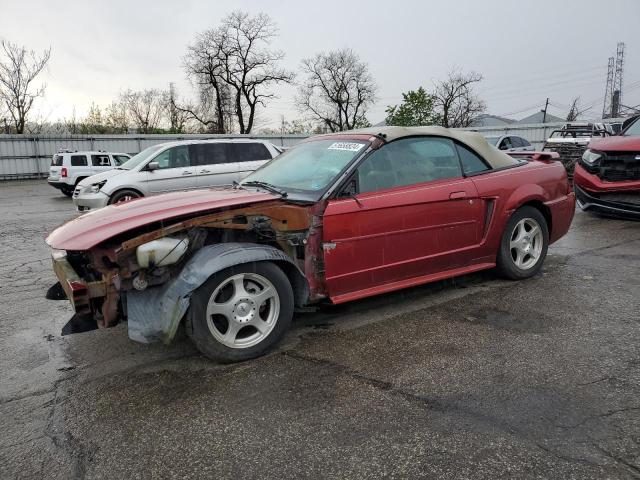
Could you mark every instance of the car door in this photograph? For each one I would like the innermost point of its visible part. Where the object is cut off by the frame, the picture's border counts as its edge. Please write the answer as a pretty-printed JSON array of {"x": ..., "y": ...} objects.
[
  {"x": 80, "y": 168},
  {"x": 214, "y": 164},
  {"x": 174, "y": 171},
  {"x": 100, "y": 162},
  {"x": 250, "y": 156},
  {"x": 413, "y": 215}
]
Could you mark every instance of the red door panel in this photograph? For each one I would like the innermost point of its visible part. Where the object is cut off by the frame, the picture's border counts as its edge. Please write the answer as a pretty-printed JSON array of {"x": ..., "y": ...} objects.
[{"x": 400, "y": 233}]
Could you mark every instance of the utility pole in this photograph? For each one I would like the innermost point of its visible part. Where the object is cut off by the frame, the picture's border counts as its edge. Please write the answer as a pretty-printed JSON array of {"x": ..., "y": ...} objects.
[
  {"x": 608, "y": 90},
  {"x": 544, "y": 112}
]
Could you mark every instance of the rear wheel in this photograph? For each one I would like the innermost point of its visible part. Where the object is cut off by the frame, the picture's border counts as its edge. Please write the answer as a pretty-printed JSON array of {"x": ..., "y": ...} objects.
[
  {"x": 123, "y": 196},
  {"x": 241, "y": 312},
  {"x": 67, "y": 191},
  {"x": 524, "y": 244}
]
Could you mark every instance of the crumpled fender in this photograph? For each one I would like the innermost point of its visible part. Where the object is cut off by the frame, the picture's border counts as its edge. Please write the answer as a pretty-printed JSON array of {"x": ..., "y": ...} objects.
[{"x": 155, "y": 313}]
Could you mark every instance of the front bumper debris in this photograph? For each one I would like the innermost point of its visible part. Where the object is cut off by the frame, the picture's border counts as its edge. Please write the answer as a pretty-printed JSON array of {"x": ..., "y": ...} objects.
[{"x": 625, "y": 204}]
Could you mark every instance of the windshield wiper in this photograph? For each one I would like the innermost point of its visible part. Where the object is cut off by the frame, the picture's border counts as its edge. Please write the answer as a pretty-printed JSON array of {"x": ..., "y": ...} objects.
[{"x": 266, "y": 186}]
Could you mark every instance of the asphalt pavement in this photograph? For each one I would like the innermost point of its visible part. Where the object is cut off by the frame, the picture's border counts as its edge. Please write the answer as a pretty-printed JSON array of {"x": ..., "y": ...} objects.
[{"x": 475, "y": 377}]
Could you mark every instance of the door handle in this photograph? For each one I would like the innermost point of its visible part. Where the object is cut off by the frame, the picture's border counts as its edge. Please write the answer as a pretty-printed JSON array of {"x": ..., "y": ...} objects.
[
  {"x": 455, "y": 195},
  {"x": 187, "y": 172},
  {"x": 205, "y": 171}
]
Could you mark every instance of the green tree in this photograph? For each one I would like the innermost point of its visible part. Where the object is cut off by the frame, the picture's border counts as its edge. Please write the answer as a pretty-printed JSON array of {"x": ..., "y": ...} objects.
[{"x": 417, "y": 108}]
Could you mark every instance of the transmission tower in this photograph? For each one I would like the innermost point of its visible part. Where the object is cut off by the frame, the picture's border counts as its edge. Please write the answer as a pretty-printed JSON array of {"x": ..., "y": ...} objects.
[
  {"x": 616, "y": 99},
  {"x": 608, "y": 91}
]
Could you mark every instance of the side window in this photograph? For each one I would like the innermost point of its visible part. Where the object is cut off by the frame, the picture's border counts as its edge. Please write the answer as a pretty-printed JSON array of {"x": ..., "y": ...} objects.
[
  {"x": 525, "y": 143},
  {"x": 120, "y": 159},
  {"x": 471, "y": 163},
  {"x": 516, "y": 142},
  {"x": 409, "y": 161},
  {"x": 250, "y": 152},
  {"x": 79, "y": 161},
  {"x": 100, "y": 160},
  {"x": 210, "y": 153},
  {"x": 176, "y": 157},
  {"x": 505, "y": 144}
]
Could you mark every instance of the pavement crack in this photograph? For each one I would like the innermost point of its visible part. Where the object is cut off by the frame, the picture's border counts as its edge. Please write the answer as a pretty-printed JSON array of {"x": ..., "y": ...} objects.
[
  {"x": 633, "y": 469},
  {"x": 597, "y": 416},
  {"x": 79, "y": 454}
]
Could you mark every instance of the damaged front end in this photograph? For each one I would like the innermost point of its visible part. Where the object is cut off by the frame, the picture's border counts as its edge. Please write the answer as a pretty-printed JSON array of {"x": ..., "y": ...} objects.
[{"x": 147, "y": 276}]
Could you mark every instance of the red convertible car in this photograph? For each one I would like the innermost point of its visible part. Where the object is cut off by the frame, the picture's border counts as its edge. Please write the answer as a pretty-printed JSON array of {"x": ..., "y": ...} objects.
[{"x": 337, "y": 218}]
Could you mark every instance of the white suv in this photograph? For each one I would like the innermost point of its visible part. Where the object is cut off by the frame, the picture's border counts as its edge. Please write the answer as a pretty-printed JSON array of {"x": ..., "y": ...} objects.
[
  {"x": 183, "y": 165},
  {"x": 69, "y": 168}
]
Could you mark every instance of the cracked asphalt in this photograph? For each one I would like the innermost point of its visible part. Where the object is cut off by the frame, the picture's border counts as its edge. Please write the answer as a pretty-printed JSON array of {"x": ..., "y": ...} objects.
[{"x": 471, "y": 378}]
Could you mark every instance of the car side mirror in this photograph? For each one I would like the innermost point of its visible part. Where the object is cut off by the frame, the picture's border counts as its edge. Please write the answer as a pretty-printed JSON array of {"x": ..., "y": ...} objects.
[{"x": 151, "y": 166}]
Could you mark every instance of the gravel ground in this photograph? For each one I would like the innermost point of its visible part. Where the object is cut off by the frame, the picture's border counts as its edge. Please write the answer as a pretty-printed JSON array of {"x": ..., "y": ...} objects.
[{"x": 471, "y": 378}]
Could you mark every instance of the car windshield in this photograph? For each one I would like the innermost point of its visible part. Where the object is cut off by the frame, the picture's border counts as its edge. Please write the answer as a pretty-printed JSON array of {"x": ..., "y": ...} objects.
[
  {"x": 140, "y": 157},
  {"x": 308, "y": 168},
  {"x": 633, "y": 129},
  {"x": 492, "y": 140}
]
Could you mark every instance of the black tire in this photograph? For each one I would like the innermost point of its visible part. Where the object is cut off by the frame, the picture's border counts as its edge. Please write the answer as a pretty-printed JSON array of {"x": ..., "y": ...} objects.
[
  {"x": 197, "y": 325},
  {"x": 67, "y": 192},
  {"x": 506, "y": 264},
  {"x": 121, "y": 196}
]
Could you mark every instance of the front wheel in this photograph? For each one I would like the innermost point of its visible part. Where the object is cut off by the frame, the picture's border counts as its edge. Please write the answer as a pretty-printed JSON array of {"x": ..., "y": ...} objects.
[
  {"x": 241, "y": 312},
  {"x": 123, "y": 196},
  {"x": 524, "y": 244}
]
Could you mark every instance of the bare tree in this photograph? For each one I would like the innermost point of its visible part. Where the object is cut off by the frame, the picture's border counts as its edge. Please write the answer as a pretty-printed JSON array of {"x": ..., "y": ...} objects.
[
  {"x": 457, "y": 102},
  {"x": 235, "y": 67},
  {"x": 337, "y": 91},
  {"x": 575, "y": 111},
  {"x": 115, "y": 117},
  {"x": 146, "y": 109},
  {"x": 19, "y": 69},
  {"x": 178, "y": 117}
]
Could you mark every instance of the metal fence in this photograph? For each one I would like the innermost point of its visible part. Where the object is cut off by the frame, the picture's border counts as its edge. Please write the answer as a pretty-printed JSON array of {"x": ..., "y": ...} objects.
[{"x": 29, "y": 156}]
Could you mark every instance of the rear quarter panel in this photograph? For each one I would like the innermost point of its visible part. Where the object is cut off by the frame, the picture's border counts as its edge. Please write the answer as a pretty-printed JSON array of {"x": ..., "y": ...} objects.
[{"x": 541, "y": 182}]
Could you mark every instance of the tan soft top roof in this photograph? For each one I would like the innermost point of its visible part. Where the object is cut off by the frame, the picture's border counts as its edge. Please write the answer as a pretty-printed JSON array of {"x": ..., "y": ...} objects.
[{"x": 474, "y": 140}]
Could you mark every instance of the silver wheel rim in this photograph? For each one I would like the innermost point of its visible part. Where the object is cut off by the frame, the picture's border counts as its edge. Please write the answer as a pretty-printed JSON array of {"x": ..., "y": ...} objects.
[
  {"x": 126, "y": 198},
  {"x": 243, "y": 310},
  {"x": 526, "y": 243}
]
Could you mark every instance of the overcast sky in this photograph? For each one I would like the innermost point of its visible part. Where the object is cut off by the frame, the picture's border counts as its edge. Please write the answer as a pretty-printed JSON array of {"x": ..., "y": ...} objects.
[{"x": 526, "y": 50}]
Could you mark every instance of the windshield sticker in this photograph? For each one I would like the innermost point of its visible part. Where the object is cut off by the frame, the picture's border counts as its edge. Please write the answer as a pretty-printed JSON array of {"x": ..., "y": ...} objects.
[{"x": 349, "y": 146}]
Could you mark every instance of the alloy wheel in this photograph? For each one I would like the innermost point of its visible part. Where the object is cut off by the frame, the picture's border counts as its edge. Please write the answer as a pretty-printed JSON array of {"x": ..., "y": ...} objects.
[
  {"x": 526, "y": 243},
  {"x": 243, "y": 310}
]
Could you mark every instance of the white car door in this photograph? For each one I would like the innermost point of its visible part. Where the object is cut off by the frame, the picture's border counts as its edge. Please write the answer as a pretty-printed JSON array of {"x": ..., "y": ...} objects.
[
  {"x": 250, "y": 156},
  {"x": 174, "y": 172},
  {"x": 80, "y": 167},
  {"x": 215, "y": 165}
]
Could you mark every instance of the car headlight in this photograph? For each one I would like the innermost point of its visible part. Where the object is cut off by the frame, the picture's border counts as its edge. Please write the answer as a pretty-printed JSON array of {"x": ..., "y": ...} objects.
[
  {"x": 95, "y": 187},
  {"x": 591, "y": 157}
]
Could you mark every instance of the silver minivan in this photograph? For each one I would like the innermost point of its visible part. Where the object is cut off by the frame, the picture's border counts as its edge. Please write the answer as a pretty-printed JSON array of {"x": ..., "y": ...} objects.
[{"x": 182, "y": 165}]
